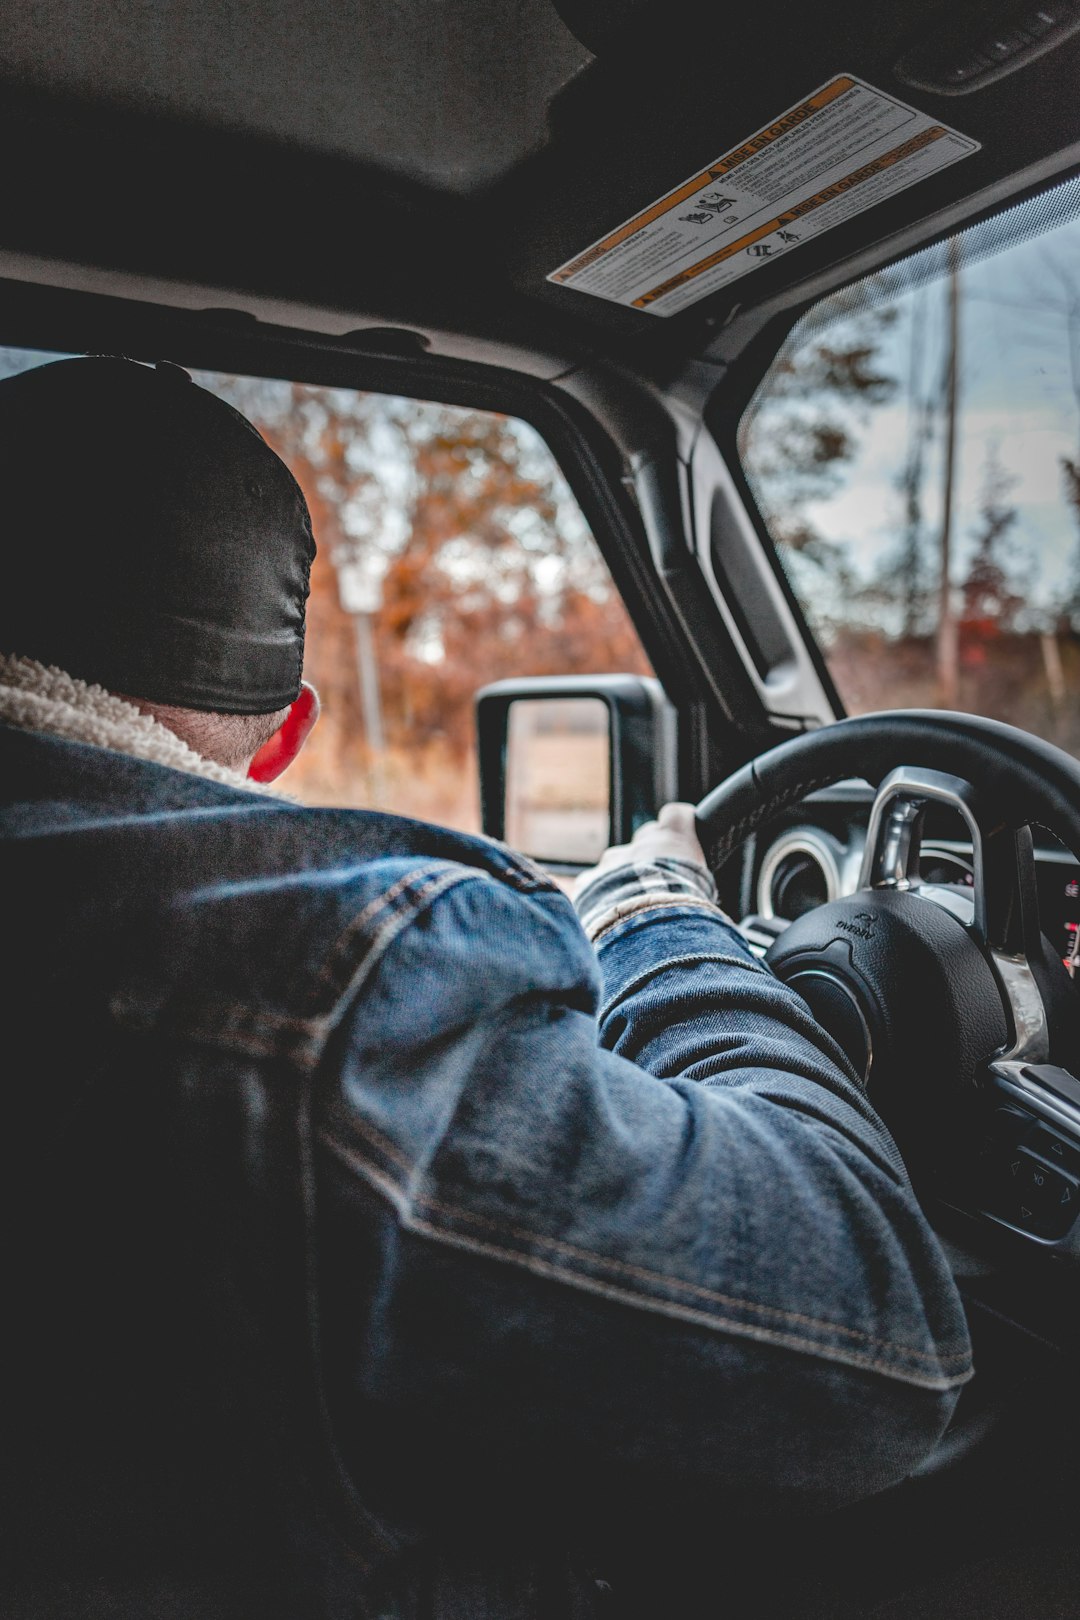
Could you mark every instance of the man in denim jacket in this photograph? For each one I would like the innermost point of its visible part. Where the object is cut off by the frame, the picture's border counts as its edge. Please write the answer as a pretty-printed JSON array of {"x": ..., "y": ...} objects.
[{"x": 381, "y": 1224}]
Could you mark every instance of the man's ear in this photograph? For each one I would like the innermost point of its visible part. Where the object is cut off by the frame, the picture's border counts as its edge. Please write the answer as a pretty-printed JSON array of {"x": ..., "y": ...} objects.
[{"x": 279, "y": 751}]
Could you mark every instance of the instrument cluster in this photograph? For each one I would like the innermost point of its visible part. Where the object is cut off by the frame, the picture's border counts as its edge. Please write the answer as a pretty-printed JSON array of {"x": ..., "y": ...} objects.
[{"x": 816, "y": 856}]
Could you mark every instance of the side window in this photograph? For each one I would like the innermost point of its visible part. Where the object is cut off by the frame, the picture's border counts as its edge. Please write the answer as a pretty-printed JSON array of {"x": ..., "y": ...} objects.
[
  {"x": 915, "y": 454},
  {"x": 451, "y": 553}
]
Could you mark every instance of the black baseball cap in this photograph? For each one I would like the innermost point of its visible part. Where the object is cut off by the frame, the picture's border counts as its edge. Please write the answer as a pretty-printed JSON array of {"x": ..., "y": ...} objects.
[{"x": 155, "y": 544}]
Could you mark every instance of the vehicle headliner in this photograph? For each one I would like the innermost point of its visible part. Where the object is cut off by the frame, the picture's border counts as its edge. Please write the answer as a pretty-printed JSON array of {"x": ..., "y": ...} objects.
[{"x": 423, "y": 166}]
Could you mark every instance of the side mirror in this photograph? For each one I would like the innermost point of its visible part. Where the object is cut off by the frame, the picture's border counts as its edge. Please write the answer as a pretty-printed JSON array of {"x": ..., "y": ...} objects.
[{"x": 569, "y": 766}]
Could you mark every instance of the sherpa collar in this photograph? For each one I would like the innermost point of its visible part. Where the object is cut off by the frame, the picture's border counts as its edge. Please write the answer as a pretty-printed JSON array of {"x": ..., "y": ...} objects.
[{"x": 39, "y": 697}]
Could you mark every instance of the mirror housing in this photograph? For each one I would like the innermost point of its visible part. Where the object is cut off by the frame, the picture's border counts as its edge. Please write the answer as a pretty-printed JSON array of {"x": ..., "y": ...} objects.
[{"x": 542, "y": 773}]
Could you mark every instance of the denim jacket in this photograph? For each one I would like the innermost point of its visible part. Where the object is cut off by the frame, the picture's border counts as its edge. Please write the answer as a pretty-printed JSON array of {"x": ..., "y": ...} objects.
[{"x": 366, "y": 1208}]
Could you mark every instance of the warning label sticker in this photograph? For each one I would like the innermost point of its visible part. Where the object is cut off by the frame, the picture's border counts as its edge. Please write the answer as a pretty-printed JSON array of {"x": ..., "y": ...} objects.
[{"x": 841, "y": 150}]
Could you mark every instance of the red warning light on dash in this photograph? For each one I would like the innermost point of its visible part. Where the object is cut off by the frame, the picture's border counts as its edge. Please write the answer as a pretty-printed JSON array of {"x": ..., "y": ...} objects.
[{"x": 1072, "y": 889}]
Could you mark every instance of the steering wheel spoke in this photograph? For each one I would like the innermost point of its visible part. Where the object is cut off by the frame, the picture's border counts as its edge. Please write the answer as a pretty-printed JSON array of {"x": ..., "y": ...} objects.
[{"x": 1005, "y": 903}]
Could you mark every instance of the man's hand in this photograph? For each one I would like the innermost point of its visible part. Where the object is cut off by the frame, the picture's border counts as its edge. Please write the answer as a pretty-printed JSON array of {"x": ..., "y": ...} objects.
[
  {"x": 662, "y": 865},
  {"x": 673, "y": 835}
]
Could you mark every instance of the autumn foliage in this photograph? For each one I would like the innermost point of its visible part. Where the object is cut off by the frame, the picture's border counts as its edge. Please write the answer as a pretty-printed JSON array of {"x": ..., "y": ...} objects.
[{"x": 480, "y": 567}]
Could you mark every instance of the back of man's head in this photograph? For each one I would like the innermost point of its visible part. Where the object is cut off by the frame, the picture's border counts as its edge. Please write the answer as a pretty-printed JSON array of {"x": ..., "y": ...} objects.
[{"x": 156, "y": 545}]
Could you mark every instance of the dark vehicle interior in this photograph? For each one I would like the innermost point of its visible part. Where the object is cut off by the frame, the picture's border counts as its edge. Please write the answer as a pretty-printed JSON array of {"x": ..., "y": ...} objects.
[{"x": 415, "y": 199}]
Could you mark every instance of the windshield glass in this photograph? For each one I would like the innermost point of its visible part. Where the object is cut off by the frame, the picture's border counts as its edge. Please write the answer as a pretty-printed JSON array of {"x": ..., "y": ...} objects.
[{"x": 915, "y": 453}]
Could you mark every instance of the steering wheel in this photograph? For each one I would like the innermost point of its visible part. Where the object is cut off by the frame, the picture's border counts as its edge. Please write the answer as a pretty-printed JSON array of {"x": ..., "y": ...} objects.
[{"x": 952, "y": 1007}]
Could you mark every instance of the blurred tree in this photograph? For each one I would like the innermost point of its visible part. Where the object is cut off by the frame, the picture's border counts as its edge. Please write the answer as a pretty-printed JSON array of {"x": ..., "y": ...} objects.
[
  {"x": 905, "y": 586},
  {"x": 804, "y": 429},
  {"x": 1061, "y": 290},
  {"x": 496, "y": 577},
  {"x": 990, "y": 599}
]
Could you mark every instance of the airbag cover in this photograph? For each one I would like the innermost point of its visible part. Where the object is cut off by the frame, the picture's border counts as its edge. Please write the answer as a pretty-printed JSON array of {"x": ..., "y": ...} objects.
[{"x": 923, "y": 991}]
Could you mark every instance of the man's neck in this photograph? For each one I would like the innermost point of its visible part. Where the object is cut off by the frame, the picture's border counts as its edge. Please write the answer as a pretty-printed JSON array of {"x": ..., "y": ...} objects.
[{"x": 39, "y": 697}]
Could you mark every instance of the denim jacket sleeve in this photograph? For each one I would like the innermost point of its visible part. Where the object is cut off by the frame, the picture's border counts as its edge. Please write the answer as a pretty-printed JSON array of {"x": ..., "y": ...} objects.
[{"x": 687, "y": 1248}]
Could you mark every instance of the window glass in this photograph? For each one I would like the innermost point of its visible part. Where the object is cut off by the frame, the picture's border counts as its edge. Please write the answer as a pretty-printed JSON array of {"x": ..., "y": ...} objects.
[
  {"x": 915, "y": 453},
  {"x": 451, "y": 553}
]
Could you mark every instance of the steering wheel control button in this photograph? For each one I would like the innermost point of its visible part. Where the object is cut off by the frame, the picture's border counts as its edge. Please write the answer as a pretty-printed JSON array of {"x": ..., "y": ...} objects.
[
  {"x": 1054, "y": 1149},
  {"x": 1033, "y": 1181},
  {"x": 1032, "y": 1195}
]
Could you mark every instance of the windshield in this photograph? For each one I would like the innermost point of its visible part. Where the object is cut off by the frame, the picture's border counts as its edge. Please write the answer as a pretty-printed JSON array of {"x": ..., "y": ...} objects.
[{"x": 915, "y": 453}]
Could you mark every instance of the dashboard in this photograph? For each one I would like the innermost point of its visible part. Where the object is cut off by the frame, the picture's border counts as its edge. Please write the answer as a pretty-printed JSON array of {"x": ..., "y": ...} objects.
[{"x": 814, "y": 853}]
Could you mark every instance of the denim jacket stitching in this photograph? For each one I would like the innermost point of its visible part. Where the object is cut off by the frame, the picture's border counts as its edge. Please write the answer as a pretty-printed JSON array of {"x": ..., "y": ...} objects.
[
  {"x": 415, "y": 889},
  {"x": 521, "y": 872},
  {"x": 223, "y": 1031},
  {"x": 220, "y": 1025},
  {"x": 539, "y": 1267},
  {"x": 708, "y": 1319},
  {"x": 438, "y": 1206},
  {"x": 621, "y": 1266}
]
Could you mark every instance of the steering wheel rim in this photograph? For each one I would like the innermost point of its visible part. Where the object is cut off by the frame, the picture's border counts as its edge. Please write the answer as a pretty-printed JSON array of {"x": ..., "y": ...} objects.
[
  {"x": 1032, "y": 781},
  {"x": 1002, "y": 781}
]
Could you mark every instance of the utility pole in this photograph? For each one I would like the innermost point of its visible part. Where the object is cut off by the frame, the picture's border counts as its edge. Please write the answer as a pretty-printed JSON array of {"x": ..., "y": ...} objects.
[
  {"x": 360, "y": 593},
  {"x": 948, "y": 660},
  {"x": 920, "y": 428},
  {"x": 367, "y": 670}
]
